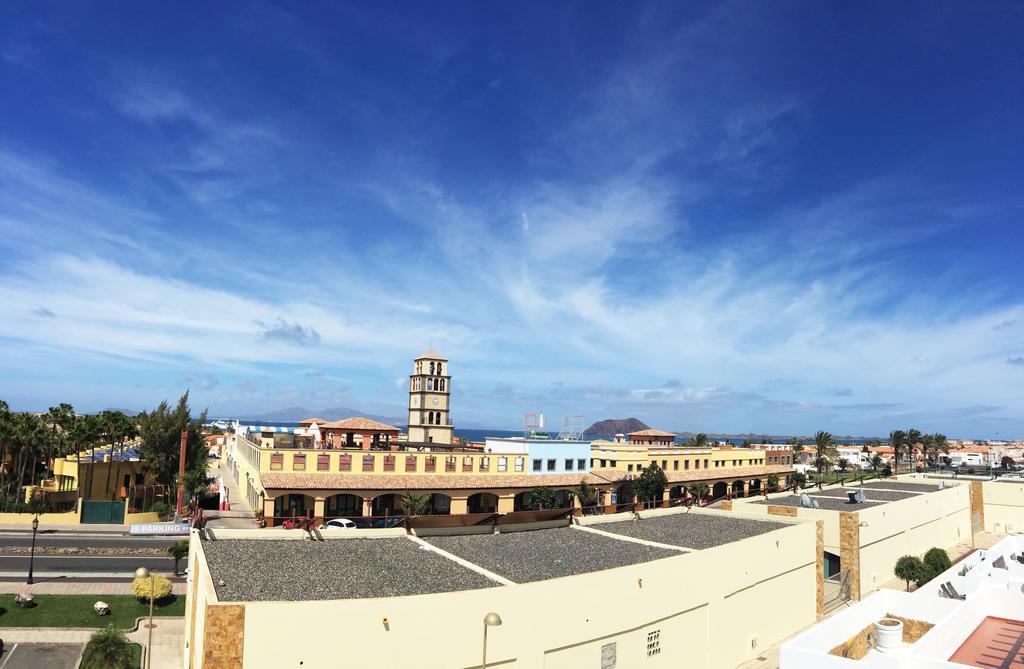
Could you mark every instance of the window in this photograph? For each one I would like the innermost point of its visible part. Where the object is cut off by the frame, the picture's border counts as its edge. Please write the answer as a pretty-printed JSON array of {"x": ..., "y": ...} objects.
[
  {"x": 536, "y": 465},
  {"x": 581, "y": 463},
  {"x": 485, "y": 464},
  {"x": 502, "y": 464},
  {"x": 654, "y": 463},
  {"x": 568, "y": 464},
  {"x": 654, "y": 643},
  {"x": 323, "y": 462},
  {"x": 430, "y": 464},
  {"x": 675, "y": 465},
  {"x": 604, "y": 463},
  {"x": 276, "y": 460},
  {"x": 367, "y": 463},
  {"x": 345, "y": 463},
  {"x": 614, "y": 463},
  {"x": 430, "y": 384},
  {"x": 410, "y": 463},
  {"x": 664, "y": 464},
  {"x": 686, "y": 464},
  {"x": 629, "y": 468},
  {"x": 705, "y": 463},
  {"x": 551, "y": 465},
  {"x": 467, "y": 464},
  {"x": 696, "y": 464},
  {"x": 299, "y": 462},
  {"x": 442, "y": 385},
  {"x": 520, "y": 464},
  {"x": 389, "y": 463},
  {"x": 449, "y": 463}
]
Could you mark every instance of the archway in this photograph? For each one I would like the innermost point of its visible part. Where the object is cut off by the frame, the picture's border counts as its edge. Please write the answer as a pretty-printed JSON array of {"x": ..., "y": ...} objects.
[
  {"x": 521, "y": 502},
  {"x": 719, "y": 489},
  {"x": 482, "y": 502},
  {"x": 386, "y": 505},
  {"x": 564, "y": 498},
  {"x": 292, "y": 505},
  {"x": 343, "y": 506},
  {"x": 676, "y": 492},
  {"x": 624, "y": 494},
  {"x": 755, "y": 487},
  {"x": 440, "y": 505},
  {"x": 737, "y": 488}
]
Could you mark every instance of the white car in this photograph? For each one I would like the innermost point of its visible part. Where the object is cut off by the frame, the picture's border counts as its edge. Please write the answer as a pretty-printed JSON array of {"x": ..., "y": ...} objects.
[{"x": 338, "y": 524}]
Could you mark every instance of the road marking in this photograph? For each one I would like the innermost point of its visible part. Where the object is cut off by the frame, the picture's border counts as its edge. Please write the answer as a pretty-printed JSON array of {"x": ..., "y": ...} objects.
[{"x": 9, "y": 653}]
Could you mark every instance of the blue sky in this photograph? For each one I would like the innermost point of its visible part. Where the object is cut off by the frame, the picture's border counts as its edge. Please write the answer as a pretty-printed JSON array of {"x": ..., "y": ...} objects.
[{"x": 765, "y": 217}]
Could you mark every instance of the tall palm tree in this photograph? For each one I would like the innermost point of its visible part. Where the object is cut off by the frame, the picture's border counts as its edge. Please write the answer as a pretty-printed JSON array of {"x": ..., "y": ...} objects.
[
  {"x": 876, "y": 462},
  {"x": 913, "y": 442},
  {"x": 842, "y": 464},
  {"x": 826, "y": 448},
  {"x": 59, "y": 420},
  {"x": 940, "y": 444},
  {"x": 6, "y": 436},
  {"x": 898, "y": 441},
  {"x": 821, "y": 464},
  {"x": 798, "y": 445}
]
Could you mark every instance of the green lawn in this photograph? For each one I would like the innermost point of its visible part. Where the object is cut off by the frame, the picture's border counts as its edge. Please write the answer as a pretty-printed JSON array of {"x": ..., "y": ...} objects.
[{"x": 76, "y": 611}]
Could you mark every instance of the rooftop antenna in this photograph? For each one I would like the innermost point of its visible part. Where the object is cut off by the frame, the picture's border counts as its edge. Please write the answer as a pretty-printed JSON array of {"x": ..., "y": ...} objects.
[{"x": 572, "y": 429}]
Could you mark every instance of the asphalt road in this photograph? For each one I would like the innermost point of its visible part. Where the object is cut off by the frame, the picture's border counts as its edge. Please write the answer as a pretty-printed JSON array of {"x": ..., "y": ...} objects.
[
  {"x": 35, "y": 655},
  {"x": 15, "y": 566},
  {"x": 86, "y": 540}
]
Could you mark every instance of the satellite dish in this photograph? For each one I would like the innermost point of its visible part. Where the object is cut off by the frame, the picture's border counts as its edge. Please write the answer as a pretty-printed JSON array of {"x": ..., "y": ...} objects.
[
  {"x": 814, "y": 504},
  {"x": 859, "y": 497},
  {"x": 805, "y": 501},
  {"x": 942, "y": 485}
]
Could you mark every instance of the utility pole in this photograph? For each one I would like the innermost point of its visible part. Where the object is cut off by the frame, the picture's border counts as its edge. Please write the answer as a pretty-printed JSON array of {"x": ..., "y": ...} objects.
[{"x": 181, "y": 471}]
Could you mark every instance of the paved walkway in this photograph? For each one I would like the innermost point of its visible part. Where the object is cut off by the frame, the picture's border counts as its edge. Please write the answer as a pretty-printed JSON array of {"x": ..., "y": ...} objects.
[
  {"x": 241, "y": 516},
  {"x": 64, "y": 587},
  {"x": 168, "y": 642}
]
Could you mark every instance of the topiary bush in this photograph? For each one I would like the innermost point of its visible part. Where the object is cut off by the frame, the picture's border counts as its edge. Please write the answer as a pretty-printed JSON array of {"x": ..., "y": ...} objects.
[
  {"x": 909, "y": 568},
  {"x": 937, "y": 561},
  {"x": 161, "y": 588}
]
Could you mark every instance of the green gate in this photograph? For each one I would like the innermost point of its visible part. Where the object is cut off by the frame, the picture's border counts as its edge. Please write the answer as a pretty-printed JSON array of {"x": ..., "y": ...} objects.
[{"x": 96, "y": 512}]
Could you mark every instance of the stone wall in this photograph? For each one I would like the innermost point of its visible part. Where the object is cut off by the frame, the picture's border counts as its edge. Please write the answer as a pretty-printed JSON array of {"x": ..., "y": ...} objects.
[
  {"x": 849, "y": 549},
  {"x": 225, "y": 636},
  {"x": 779, "y": 510}
]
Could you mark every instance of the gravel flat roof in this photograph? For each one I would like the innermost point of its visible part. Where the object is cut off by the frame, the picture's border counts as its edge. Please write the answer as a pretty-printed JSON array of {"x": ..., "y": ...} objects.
[
  {"x": 828, "y": 503},
  {"x": 872, "y": 494},
  {"x": 289, "y": 570},
  {"x": 691, "y": 530},
  {"x": 902, "y": 485},
  {"x": 537, "y": 555}
]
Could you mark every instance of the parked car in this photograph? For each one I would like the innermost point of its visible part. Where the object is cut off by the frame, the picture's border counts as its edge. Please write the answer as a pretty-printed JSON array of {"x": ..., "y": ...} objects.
[{"x": 338, "y": 524}]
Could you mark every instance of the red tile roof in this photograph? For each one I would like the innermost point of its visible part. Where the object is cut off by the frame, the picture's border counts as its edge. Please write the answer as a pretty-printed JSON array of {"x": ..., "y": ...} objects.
[
  {"x": 358, "y": 423},
  {"x": 651, "y": 433}
]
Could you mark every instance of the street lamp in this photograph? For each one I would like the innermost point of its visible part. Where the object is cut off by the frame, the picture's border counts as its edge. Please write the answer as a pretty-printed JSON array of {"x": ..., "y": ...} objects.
[
  {"x": 492, "y": 619},
  {"x": 32, "y": 558},
  {"x": 142, "y": 572}
]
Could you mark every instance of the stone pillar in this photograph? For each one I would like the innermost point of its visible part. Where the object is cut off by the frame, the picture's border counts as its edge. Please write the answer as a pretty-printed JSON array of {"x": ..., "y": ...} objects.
[
  {"x": 746, "y": 488},
  {"x": 367, "y": 506},
  {"x": 977, "y": 492},
  {"x": 268, "y": 511},
  {"x": 819, "y": 564},
  {"x": 506, "y": 503},
  {"x": 459, "y": 505},
  {"x": 665, "y": 498},
  {"x": 318, "y": 509},
  {"x": 849, "y": 549}
]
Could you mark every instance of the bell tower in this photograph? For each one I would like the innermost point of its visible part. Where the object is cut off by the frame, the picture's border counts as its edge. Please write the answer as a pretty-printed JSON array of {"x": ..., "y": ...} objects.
[{"x": 429, "y": 393}]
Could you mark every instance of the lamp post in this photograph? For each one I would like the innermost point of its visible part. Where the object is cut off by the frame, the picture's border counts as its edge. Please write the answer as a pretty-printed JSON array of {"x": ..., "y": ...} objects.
[
  {"x": 142, "y": 572},
  {"x": 492, "y": 619},
  {"x": 32, "y": 557}
]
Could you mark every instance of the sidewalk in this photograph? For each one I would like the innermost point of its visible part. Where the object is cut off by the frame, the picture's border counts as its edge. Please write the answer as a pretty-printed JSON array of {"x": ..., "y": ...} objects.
[
  {"x": 168, "y": 638},
  {"x": 241, "y": 515},
  {"x": 63, "y": 587}
]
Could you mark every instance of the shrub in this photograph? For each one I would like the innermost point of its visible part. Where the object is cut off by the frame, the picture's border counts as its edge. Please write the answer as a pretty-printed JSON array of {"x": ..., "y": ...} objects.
[
  {"x": 163, "y": 509},
  {"x": 161, "y": 588},
  {"x": 797, "y": 478},
  {"x": 937, "y": 561},
  {"x": 908, "y": 568},
  {"x": 107, "y": 649},
  {"x": 178, "y": 551},
  {"x": 650, "y": 485},
  {"x": 541, "y": 498},
  {"x": 773, "y": 481}
]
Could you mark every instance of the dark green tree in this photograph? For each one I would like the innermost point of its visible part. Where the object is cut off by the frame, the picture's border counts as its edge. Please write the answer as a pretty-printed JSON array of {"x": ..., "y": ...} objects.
[
  {"x": 908, "y": 568},
  {"x": 542, "y": 498},
  {"x": 649, "y": 486},
  {"x": 179, "y": 551},
  {"x": 415, "y": 505},
  {"x": 586, "y": 494},
  {"x": 773, "y": 482},
  {"x": 935, "y": 562},
  {"x": 160, "y": 430}
]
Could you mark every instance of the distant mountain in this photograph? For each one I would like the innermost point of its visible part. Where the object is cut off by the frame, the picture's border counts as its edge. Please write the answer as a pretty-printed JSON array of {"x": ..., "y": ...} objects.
[
  {"x": 616, "y": 426},
  {"x": 292, "y": 414}
]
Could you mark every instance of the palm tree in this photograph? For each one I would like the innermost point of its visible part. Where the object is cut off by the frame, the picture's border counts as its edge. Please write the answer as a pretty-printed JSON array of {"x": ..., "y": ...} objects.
[
  {"x": 586, "y": 494},
  {"x": 842, "y": 465},
  {"x": 59, "y": 420},
  {"x": 940, "y": 444},
  {"x": 700, "y": 489},
  {"x": 876, "y": 462},
  {"x": 821, "y": 464},
  {"x": 913, "y": 441},
  {"x": 413, "y": 504},
  {"x": 699, "y": 440},
  {"x": 826, "y": 448},
  {"x": 898, "y": 441},
  {"x": 107, "y": 649}
]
